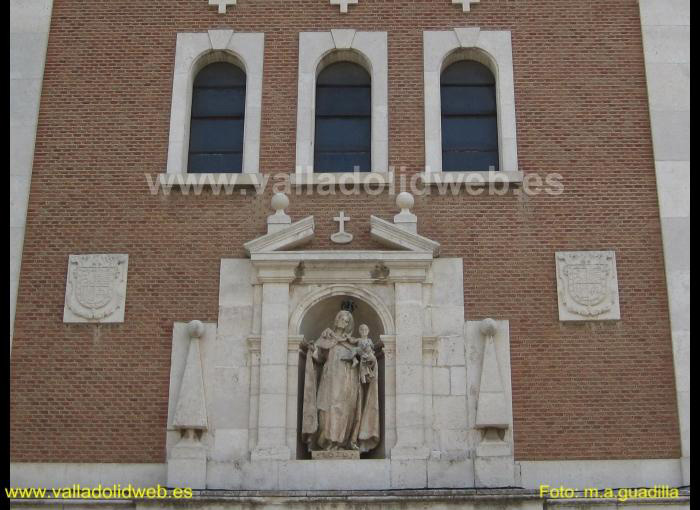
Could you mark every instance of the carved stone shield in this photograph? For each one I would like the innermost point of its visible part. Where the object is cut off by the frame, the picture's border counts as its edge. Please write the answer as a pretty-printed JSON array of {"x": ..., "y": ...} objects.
[
  {"x": 96, "y": 287},
  {"x": 587, "y": 286}
]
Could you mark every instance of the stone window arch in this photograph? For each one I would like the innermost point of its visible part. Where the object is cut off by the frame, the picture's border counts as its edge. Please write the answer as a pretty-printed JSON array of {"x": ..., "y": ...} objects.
[
  {"x": 489, "y": 51},
  {"x": 320, "y": 51},
  {"x": 193, "y": 53}
]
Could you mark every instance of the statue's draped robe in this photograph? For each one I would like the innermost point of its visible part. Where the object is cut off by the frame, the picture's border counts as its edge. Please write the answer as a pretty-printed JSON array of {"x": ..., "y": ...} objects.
[{"x": 338, "y": 408}]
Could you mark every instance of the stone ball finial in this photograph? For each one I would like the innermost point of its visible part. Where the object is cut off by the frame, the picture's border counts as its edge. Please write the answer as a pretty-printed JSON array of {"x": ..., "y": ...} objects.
[
  {"x": 280, "y": 202},
  {"x": 488, "y": 327},
  {"x": 195, "y": 329},
  {"x": 405, "y": 201}
]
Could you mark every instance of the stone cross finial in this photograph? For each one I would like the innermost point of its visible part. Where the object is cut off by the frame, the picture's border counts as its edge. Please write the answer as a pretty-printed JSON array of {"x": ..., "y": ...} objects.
[
  {"x": 344, "y": 4},
  {"x": 406, "y": 219},
  {"x": 465, "y": 4},
  {"x": 341, "y": 237},
  {"x": 222, "y": 4}
]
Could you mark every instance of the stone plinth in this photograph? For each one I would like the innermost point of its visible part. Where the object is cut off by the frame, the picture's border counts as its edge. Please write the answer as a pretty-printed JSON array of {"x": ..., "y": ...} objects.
[{"x": 335, "y": 455}]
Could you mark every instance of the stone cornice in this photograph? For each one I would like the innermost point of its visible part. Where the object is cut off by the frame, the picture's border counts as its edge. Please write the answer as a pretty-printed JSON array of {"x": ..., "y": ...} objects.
[
  {"x": 391, "y": 235},
  {"x": 316, "y": 267},
  {"x": 294, "y": 235}
]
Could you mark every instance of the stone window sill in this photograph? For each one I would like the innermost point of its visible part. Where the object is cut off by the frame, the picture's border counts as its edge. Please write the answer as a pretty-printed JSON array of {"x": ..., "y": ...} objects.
[
  {"x": 341, "y": 178},
  {"x": 475, "y": 178},
  {"x": 234, "y": 180}
]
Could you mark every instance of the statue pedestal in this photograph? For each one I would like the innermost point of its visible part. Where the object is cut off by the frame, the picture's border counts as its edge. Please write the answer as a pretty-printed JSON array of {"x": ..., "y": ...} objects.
[
  {"x": 187, "y": 465},
  {"x": 335, "y": 455}
]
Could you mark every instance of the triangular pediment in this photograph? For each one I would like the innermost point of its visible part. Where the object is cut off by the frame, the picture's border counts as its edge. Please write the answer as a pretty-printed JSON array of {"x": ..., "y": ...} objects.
[
  {"x": 394, "y": 236},
  {"x": 292, "y": 236}
]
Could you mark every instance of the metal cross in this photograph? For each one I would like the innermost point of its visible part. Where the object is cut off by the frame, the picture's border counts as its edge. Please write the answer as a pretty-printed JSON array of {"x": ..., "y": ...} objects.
[
  {"x": 344, "y": 4},
  {"x": 222, "y": 4}
]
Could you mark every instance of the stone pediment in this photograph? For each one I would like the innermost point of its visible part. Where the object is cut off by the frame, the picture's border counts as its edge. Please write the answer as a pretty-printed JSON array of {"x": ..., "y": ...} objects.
[
  {"x": 283, "y": 235},
  {"x": 286, "y": 238},
  {"x": 392, "y": 235}
]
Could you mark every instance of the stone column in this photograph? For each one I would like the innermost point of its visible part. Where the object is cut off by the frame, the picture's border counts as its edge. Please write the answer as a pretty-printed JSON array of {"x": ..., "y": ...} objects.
[
  {"x": 272, "y": 402},
  {"x": 292, "y": 391},
  {"x": 410, "y": 442}
]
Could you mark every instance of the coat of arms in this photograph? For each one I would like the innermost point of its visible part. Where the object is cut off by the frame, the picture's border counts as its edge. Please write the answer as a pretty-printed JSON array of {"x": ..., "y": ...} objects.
[
  {"x": 96, "y": 288},
  {"x": 587, "y": 286}
]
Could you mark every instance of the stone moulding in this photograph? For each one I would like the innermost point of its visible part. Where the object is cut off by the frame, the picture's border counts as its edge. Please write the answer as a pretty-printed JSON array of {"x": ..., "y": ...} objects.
[
  {"x": 392, "y": 235},
  {"x": 294, "y": 235},
  {"x": 343, "y": 5},
  {"x": 350, "y": 267},
  {"x": 353, "y": 291}
]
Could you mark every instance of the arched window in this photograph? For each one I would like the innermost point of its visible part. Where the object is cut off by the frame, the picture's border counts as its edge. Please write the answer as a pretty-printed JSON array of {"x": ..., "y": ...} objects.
[
  {"x": 469, "y": 117},
  {"x": 216, "y": 126},
  {"x": 343, "y": 119}
]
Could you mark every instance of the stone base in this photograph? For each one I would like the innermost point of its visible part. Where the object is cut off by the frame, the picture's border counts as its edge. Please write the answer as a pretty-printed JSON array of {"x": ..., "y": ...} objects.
[
  {"x": 277, "y": 453},
  {"x": 494, "y": 472},
  {"x": 335, "y": 455},
  {"x": 187, "y": 465},
  {"x": 410, "y": 453}
]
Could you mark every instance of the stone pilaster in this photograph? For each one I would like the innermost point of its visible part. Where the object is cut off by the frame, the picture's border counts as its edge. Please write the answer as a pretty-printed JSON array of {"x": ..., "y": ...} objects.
[
  {"x": 272, "y": 401},
  {"x": 409, "y": 372}
]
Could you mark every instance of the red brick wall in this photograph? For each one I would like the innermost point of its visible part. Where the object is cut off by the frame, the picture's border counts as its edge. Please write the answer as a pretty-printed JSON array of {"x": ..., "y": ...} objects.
[{"x": 84, "y": 393}]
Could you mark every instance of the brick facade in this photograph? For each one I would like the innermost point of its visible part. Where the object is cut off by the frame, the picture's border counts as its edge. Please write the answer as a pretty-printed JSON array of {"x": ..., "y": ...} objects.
[{"x": 582, "y": 391}]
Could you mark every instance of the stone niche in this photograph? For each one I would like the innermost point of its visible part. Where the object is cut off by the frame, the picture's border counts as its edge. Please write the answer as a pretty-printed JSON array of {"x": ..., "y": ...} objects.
[
  {"x": 241, "y": 428},
  {"x": 324, "y": 302}
]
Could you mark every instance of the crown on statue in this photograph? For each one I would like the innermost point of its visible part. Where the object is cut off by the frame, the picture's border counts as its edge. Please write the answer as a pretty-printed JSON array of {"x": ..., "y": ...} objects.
[{"x": 348, "y": 306}]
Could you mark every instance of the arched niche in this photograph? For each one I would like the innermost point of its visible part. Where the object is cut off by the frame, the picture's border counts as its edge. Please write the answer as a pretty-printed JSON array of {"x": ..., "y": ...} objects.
[{"x": 318, "y": 314}]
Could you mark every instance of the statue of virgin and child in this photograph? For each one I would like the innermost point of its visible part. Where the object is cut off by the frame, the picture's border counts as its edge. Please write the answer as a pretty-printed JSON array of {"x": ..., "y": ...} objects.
[{"x": 341, "y": 397}]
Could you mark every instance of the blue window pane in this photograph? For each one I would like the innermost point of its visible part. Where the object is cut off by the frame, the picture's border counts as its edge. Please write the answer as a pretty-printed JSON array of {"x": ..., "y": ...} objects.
[
  {"x": 216, "y": 125},
  {"x": 215, "y": 163},
  {"x": 343, "y": 74},
  {"x": 467, "y": 72},
  {"x": 343, "y": 119},
  {"x": 343, "y": 101},
  {"x": 343, "y": 135},
  {"x": 226, "y": 102},
  {"x": 468, "y": 100},
  {"x": 469, "y": 161},
  {"x": 220, "y": 74},
  {"x": 469, "y": 118},
  {"x": 216, "y": 135},
  {"x": 342, "y": 162},
  {"x": 477, "y": 133}
]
